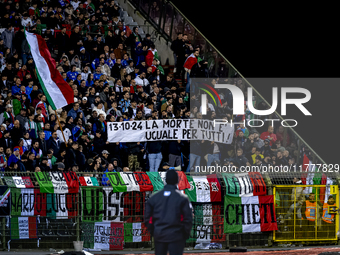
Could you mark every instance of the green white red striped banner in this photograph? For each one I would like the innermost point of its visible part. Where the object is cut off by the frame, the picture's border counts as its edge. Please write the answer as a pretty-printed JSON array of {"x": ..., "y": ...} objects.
[{"x": 58, "y": 92}]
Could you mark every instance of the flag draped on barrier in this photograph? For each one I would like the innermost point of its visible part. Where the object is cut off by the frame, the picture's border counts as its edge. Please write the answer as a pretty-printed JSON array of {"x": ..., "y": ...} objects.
[{"x": 249, "y": 214}]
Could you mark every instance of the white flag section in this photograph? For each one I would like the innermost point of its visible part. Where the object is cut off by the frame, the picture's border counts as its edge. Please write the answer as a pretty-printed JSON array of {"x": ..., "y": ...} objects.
[
  {"x": 202, "y": 189},
  {"x": 310, "y": 176},
  {"x": 59, "y": 183},
  {"x": 27, "y": 202},
  {"x": 206, "y": 227},
  {"x": 249, "y": 215},
  {"x": 174, "y": 129}
]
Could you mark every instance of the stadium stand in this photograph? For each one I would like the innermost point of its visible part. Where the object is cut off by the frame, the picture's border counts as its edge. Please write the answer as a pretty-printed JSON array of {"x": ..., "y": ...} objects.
[{"x": 118, "y": 74}]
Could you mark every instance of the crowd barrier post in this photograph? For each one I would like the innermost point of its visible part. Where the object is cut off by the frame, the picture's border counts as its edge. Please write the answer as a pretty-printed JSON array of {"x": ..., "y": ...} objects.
[
  {"x": 77, "y": 217},
  {"x": 3, "y": 230}
]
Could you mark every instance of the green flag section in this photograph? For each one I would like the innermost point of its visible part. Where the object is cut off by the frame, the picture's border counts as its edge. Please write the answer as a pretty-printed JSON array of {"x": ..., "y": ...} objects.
[
  {"x": 126, "y": 182},
  {"x": 101, "y": 204},
  {"x": 105, "y": 236},
  {"x": 136, "y": 232},
  {"x": 249, "y": 214},
  {"x": 57, "y": 182},
  {"x": 204, "y": 189},
  {"x": 88, "y": 181},
  {"x": 244, "y": 184},
  {"x": 22, "y": 203},
  {"x": 23, "y": 227},
  {"x": 19, "y": 182},
  {"x": 156, "y": 181}
]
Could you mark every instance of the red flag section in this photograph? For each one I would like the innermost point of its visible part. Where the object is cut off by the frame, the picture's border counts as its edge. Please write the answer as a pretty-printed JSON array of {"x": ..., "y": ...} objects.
[{"x": 267, "y": 213}]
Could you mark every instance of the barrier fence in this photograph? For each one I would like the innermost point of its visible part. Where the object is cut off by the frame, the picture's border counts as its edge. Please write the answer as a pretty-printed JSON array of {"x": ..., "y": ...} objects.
[{"x": 107, "y": 211}]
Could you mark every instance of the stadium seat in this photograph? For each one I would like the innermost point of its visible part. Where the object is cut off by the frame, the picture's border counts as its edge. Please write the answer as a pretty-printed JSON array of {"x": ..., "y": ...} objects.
[
  {"x": 128, "y": 20},
  {"x": 123, "y": 15}
]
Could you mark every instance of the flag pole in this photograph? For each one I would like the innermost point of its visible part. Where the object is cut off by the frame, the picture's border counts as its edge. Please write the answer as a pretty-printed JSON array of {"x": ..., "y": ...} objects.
[{"x": 61, "y": 128}]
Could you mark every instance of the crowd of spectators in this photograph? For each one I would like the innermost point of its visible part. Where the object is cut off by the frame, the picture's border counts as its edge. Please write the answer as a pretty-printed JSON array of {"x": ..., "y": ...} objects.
[
  {"x": 116, "y": 76},
  {"x": 114, "y": 73}
]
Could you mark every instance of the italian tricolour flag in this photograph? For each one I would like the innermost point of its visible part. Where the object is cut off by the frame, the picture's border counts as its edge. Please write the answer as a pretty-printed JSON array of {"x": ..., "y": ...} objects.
[
  {"x": 136, "y": 232},
  {"x": 19, "y": 182},
  {"x": 126, "y": 182},
  {"x": 23, "y": 227},
  {"x": 244, "y": 184},
  {"x": 58, "y": 92},
  {"x": 57, "y": 182},
  {"x": 150, "y": 56},
  {"x": 88, "y": 181},
  {"x": 204, "y": 189},
  {"x": 249, "y": 214}
]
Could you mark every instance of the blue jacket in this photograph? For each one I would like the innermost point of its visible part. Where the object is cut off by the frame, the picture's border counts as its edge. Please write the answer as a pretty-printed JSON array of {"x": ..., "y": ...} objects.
[
  {"x": 76, "y": 133},
  {"x": 74, "y": 113},
  {"x": 95, "y": 63},
  {"x": 105, "y": 179},
  {"x": 72, "y": 75},
  {"x": 48, "y": 134},
  {"x": 11, "y": 159},
  {"x": 125, "y": 62},
  {"x": 96, "y": 76},
  {"x": 15, "y": 89},
  {"x": 95, "y": 127}
]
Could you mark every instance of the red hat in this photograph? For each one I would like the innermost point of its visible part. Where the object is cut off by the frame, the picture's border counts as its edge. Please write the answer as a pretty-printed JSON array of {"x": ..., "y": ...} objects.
[{"x": 139, "y": 86}]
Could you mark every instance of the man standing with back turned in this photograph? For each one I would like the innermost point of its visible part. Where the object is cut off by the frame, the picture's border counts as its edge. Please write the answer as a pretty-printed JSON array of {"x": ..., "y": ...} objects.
[{"x": 168, "y": 217}]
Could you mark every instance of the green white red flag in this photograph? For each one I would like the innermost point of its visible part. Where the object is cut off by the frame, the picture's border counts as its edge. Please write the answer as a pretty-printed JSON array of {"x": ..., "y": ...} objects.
[{"x": 58, "y": 92}]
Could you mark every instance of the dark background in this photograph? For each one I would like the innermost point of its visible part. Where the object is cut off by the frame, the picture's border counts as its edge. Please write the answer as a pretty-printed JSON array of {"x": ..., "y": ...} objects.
[{"x": 276, "y": 40}]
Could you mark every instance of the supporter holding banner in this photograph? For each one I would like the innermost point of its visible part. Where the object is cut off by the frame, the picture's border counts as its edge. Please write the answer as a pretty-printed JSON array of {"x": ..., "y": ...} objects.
[{"x": 169, "y": 129}]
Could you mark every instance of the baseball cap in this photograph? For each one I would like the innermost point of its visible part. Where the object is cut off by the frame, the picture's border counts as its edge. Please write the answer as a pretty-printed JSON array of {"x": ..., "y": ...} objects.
[{"x": 105, "y": 152}]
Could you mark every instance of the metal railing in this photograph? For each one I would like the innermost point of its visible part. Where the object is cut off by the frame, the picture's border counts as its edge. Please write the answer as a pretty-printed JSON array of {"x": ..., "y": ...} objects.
[{"x": 57, "y": 219}]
